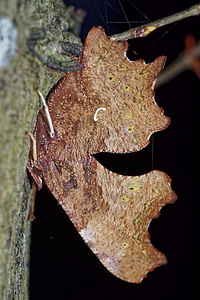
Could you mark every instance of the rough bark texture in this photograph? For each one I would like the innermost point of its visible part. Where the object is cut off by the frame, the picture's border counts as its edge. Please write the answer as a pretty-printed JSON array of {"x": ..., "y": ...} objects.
[{"x": 20, "y": 77}]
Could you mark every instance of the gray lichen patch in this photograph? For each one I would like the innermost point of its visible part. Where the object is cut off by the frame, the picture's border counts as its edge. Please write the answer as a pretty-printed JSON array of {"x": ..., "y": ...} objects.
[
  {"x": 53, "y": 36},
  {"x": 8, "y": 40}
]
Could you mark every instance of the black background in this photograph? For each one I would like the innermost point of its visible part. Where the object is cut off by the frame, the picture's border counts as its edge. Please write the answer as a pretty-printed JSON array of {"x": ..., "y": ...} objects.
[{"x": 62, "y": 266}]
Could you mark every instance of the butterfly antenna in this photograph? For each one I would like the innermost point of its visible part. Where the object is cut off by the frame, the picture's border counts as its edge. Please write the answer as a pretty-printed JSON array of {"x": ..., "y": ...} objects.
[{"x": 47, "y": 114}]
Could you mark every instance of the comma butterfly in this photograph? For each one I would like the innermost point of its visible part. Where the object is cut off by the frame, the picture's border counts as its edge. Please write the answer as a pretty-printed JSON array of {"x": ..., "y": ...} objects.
[{"x": 107, "y": 106}]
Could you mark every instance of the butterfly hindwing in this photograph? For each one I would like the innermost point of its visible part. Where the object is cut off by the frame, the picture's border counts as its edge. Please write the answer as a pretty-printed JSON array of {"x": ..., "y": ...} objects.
[{"x": 112, "y": 212}]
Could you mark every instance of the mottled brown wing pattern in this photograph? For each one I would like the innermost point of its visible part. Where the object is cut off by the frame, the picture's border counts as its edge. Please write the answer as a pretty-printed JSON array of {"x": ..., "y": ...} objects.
[
  {"x": 118, "y": 235},
  {"x": 124, "y": 89},
  {"x": 112, "y": 97},
  {"x": 111, "y": 212},
  {"x": 107, "y": 106}
]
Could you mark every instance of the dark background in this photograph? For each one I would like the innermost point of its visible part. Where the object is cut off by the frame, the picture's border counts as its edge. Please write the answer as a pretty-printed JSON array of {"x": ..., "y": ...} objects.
[{"x": 62, "y": 266}]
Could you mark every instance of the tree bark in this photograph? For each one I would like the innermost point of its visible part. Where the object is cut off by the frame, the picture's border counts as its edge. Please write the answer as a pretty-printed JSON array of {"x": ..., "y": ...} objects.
[{"x": 22, "y": 71}]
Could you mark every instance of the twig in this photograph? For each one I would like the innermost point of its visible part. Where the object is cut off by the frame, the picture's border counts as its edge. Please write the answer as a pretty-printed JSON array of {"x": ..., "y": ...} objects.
[
  {"x": 186, "y": 60},
  {"x": 144, "y": 30}
]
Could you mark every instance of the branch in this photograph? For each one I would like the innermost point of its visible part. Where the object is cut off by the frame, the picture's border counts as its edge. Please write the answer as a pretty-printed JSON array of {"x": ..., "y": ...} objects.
[
  {"x": 36, "y": 37},
  {"x": 144, "y": 30},
  {"x": 188, "y": 59}
]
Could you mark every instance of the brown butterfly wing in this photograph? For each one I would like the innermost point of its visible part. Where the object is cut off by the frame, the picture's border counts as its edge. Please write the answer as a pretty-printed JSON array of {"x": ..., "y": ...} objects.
[
  {"x": 117, "y": 233},
  {"x": 108, "y": 81},
  {"x": 125, "y": 89},
  {"x": 107, "y": 106},
  {"x": 111, "y": 212}
]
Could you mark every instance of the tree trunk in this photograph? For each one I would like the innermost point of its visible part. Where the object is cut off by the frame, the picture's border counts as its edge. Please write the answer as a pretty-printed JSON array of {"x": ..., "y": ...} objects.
[{"x": 26, "y": 35}]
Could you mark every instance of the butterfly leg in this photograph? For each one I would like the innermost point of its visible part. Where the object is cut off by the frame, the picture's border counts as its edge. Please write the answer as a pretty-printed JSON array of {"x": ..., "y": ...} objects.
[
  {"x": 32, "y": 163},
  {"x": 37, "y": 181}
]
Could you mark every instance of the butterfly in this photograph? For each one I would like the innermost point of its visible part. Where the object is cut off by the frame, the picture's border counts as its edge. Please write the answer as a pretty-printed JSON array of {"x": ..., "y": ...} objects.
[{"x": 108, "y": 106}]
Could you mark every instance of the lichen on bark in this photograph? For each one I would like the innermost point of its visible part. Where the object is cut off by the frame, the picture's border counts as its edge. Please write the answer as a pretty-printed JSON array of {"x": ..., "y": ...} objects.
[{"x": 21, "y": 76}]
